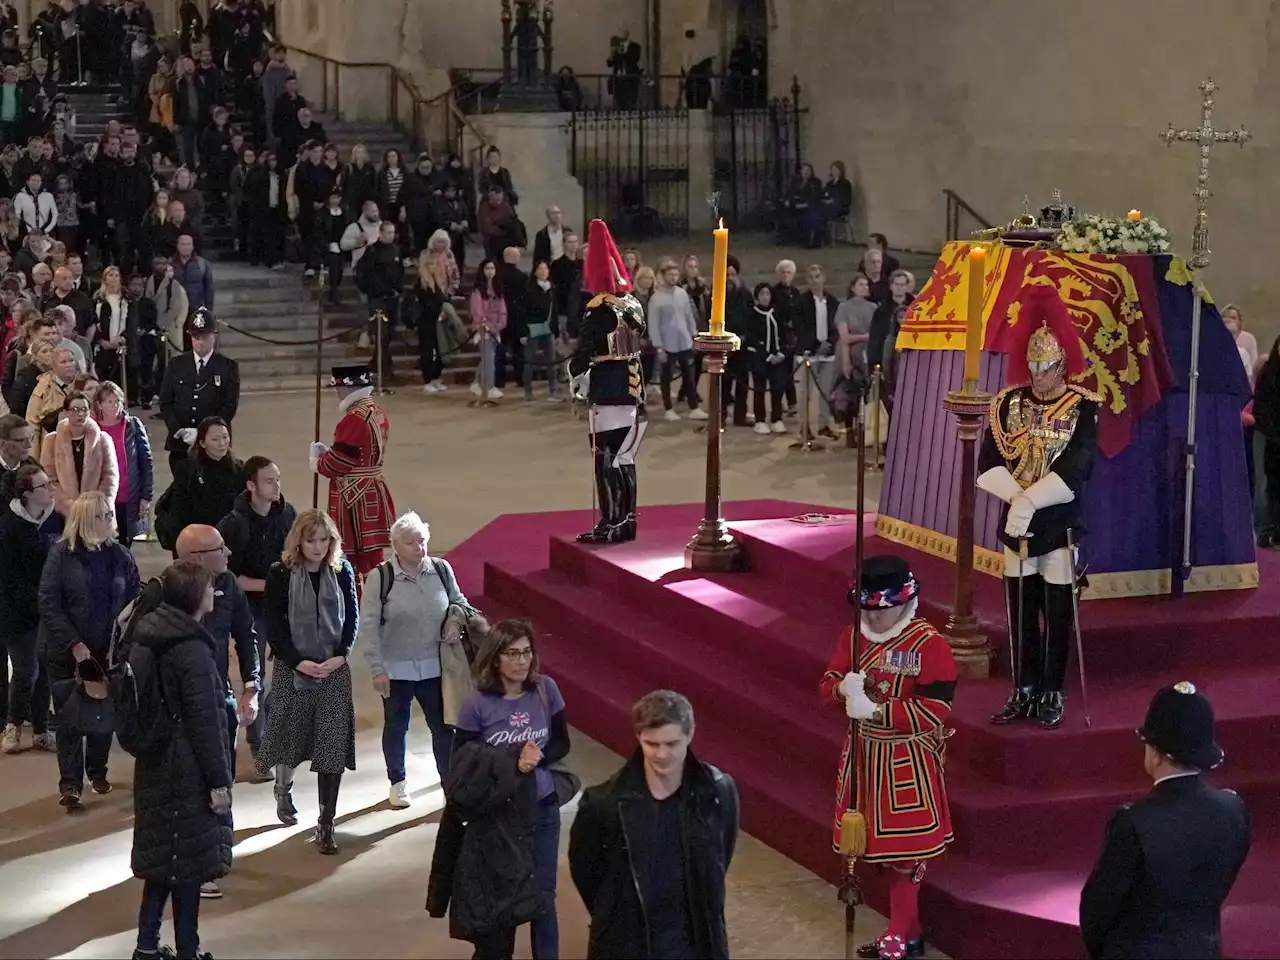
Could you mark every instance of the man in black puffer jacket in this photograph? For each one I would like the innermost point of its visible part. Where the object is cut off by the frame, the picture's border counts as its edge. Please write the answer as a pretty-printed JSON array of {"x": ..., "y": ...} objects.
[
  {"x": 650, "y": 846},
  {"x": 182, "y": 832}
]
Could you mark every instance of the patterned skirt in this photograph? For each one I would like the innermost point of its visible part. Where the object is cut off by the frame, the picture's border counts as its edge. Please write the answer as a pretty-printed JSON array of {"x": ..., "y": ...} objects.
[{"x": 316, "y": 723}]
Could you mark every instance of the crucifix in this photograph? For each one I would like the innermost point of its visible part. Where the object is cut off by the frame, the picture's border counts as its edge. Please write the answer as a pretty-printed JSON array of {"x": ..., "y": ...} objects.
[{"x": 1206, "y": 136}]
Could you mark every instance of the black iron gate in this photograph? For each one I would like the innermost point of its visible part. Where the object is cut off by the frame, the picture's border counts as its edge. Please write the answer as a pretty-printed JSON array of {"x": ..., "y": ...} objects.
[
  {"x": 757, "y": 150},
  {"x": 634, "y": 169}
]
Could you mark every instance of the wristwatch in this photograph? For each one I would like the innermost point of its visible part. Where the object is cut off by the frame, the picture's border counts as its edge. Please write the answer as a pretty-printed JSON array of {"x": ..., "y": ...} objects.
[{"x": 252, "y": 687}]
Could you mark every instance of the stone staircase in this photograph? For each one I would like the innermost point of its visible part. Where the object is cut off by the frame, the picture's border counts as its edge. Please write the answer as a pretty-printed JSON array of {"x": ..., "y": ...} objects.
[
  {"x": 377, "y": 137},
  {"x": 94, "y": 106}
]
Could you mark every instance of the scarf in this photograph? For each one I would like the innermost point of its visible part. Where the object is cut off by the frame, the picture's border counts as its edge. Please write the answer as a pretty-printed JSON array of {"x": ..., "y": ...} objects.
[{"x": 315, "y": 621}]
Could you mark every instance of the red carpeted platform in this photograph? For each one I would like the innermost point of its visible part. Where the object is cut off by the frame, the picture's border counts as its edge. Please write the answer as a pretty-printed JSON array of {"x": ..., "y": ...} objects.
[{"x": 1029, "y": 806}]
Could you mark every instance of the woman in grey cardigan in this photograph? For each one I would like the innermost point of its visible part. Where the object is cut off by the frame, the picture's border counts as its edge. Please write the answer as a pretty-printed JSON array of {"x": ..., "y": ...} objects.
[{"x": 412, "y": 615}]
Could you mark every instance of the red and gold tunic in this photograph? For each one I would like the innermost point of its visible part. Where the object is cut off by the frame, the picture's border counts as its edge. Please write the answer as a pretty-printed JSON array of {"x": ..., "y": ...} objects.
[
  {"x": 359, "y": 500},
  {"x": 900, "y": 784}
]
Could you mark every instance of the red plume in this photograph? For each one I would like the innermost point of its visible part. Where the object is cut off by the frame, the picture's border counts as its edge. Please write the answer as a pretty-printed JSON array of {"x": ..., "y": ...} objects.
[
  {"x": 603, "y": 271},
  {"x": 1042, "y": 306}
]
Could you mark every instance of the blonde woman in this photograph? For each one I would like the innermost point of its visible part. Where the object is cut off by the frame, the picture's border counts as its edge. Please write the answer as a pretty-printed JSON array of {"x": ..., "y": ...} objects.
[
  {"x": 1246, "y": 342},
  {"x": 358, "y": 181},
  {"x": 115, "y": 328},
  {"x": 36, "y": 361},
  {"x": 312, "y": 616},
  {"x": 79, "y": 457},
  {"x": 49, "y": 398},
  {"x": 88, "y": 580}
]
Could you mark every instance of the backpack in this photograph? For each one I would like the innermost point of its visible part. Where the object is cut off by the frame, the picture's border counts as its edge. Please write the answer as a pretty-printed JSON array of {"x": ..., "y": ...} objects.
[
  {"x": 143, "y": 720},
  {"x": 387, "y": 580}
]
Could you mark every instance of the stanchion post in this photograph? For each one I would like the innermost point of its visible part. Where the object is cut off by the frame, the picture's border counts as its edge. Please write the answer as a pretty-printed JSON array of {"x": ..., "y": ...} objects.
[
  {"x": 315, "y": 477},
  {"x": 806, "y": 441},
  {"x": 877, "y": 380}
]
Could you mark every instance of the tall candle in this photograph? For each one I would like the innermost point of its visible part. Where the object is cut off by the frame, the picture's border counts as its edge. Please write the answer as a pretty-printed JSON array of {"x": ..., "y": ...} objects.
[
  {"x": 973, "y": 325},
  {"x": 719, "y": 280}
]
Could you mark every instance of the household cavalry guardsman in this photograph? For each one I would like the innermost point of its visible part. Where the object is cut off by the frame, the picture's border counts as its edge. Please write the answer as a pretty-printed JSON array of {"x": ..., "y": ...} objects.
[
  {"x": 1041, "y": 436},
  {"x": 606, "y": 371},
  {"x": 359, "y": 499},
  {"x": 900, "y": 695},
  {"x": 198, "y": 384}
]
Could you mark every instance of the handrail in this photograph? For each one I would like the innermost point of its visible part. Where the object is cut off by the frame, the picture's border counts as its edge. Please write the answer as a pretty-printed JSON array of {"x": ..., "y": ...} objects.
[
  {"x": 419, "y": 127},
  {"x": 956, "y": 204}
]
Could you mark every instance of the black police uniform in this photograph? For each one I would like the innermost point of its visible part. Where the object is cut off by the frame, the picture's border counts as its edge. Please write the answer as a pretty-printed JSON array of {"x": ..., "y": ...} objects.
[
  {"x": 186, "y": 398},
  {"x": 1168, "y": 861}
]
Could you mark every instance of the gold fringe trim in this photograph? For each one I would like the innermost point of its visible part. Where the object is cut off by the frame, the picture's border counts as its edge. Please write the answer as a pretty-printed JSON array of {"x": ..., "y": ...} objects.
[
  {"x": 937, "y": 544},
  {"x": 1102, "y": 586}
]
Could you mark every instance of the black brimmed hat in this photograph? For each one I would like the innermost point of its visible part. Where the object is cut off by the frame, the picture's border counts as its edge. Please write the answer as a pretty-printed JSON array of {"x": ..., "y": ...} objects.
[
  {"x": 886, "y": 582},
  {"x": 1180, "y": 725},
  {"x": 202, "y": 322}
]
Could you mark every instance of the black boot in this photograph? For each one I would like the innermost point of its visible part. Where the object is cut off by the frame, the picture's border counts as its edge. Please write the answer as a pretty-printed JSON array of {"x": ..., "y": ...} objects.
[
  {"x": 1059, "y": 627},
  {"x": 629, "y": 496},
  {"x": 327, "y": 785},
  {"x": 1022, "y": 702},
  {"x": 608, "y": 495},
  {"x": 286, "y": 812}
]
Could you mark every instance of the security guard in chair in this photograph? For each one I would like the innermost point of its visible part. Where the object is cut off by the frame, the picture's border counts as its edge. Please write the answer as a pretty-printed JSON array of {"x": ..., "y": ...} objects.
[
  {"x": 197, "y": 384},
  {"x": 1168, "y": 861}
]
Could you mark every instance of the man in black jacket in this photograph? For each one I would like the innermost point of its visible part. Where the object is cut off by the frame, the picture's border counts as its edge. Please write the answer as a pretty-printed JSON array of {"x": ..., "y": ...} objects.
[
  {"x": 786, "y": 296},
  {"x": 131, "y": 195},
  {"x": 17, "y": 440},
  {"x": 1168, "y": 861},
  {"x": 380, "y": 277},
  {"x": 230, "y": 621},
  {"x": 198, "y": 384},
  {"x": 814, "y": 328},
  {"x": 513, "y": 283},
  {"x": 254, "y": 533},
  {"x": 650, "y": 847},
  {"x": 735, "y": 390}
]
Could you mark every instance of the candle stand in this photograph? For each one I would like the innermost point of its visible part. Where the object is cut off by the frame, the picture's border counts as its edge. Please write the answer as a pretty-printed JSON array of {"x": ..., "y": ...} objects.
[{"x": 713, "y": 548}]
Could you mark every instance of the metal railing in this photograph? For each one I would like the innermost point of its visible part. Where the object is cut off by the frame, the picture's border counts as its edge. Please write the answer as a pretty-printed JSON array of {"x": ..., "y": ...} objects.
[
  {"x": 958, "y": 208},
  {"x": 380, "y": 92}
]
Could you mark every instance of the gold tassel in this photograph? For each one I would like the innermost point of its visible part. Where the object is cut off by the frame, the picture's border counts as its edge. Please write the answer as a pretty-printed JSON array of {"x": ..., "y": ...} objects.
[{"x": 853, "y": 834}]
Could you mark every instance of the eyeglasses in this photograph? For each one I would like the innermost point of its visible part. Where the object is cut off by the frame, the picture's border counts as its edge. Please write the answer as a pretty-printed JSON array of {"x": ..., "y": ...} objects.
[
  {"x": 523, "y": 653},
  {"x": 220, "y": 548}
]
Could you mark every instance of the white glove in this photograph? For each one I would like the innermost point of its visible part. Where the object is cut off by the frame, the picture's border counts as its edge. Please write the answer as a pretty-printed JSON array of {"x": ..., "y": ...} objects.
[
  {"x": 1021, "y": 510},
  {"x": 858, "y": 706},
  {"x": 317, "y": 451},
  {"x": 852, "y": 682},
  {"x": 186, "y": 434},
  {"x": 999, "y": 482}
]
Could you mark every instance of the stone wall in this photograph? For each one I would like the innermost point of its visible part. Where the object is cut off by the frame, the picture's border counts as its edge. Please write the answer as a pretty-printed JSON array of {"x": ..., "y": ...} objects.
[{"x": 1000, "y": 98}]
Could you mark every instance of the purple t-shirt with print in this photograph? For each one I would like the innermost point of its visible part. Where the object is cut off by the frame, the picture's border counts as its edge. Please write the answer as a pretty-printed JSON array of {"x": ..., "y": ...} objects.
[{"x": 509, "y": 723}]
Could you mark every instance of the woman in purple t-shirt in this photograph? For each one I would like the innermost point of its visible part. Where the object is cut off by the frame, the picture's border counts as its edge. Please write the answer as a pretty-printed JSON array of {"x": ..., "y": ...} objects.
[{"x": 517, "y": 708}]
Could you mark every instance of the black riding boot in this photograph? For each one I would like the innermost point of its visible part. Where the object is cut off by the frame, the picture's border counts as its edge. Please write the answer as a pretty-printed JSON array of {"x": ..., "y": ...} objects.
[
  {"x": 609, "y": 495},
  {"x": 286, "y": 812},
  {"x": 629, "y": 494},
  {"x": 1022, "y": 702},
  {"x": 327, "y": 786},
  {"x": 1059, "y": 627}
]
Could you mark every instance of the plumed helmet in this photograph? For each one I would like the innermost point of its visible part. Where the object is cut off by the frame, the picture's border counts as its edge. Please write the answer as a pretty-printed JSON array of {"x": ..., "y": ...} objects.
[
  {"x": 1043, "y": 333},
  {"x": 603, "y": 271}
]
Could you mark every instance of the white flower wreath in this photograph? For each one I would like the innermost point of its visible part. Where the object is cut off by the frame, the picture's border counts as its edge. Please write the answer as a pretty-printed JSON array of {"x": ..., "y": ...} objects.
[{"x": 1092, "y": 233}]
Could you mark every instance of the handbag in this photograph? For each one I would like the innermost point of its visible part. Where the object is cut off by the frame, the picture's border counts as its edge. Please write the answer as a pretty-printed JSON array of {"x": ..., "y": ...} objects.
[
  {"x": 87, "y": 710},
  {"x": 567, "y": 783}
]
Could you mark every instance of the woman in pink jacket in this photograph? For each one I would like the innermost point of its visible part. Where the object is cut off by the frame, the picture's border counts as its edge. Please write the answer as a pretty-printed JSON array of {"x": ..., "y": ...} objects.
[{"x": 488, "y": 320}]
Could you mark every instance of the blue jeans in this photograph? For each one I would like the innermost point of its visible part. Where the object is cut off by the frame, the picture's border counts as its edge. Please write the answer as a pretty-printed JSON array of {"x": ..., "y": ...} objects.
[
  {"x": 544, "y": 931},
  {"x": 186, "y": 917},
  {"x": 397, "y": 711}
]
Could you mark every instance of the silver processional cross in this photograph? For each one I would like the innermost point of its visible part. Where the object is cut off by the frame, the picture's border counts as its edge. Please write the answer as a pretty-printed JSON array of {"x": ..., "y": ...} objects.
[{"x": 1206, "y": 136}]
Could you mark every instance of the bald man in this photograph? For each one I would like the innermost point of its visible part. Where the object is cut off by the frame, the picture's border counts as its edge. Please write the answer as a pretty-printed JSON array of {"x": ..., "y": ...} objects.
[{"x": 231, "y": 619}]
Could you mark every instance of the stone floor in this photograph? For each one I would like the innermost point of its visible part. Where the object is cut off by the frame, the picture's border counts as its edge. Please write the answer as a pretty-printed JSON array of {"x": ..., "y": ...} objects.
[{"x": 65, "y": 885}]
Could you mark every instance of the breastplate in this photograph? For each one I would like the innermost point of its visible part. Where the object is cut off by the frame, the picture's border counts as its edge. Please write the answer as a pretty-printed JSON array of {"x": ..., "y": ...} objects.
[{"x": 1036, "y": 433}]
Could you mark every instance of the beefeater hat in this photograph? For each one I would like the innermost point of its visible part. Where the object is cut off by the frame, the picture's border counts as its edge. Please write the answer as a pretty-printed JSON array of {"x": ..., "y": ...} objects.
[{"x": 603, "y": 271}]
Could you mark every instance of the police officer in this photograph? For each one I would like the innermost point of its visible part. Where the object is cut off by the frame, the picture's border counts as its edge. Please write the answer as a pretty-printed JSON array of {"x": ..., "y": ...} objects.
[
  {"x": 1169, "y": 860},
  {"x": 199, "y": 384}
]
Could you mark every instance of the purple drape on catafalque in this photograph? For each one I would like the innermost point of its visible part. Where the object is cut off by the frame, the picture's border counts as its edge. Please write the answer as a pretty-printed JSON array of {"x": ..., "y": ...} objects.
[{"x": 1134, "y": 499}]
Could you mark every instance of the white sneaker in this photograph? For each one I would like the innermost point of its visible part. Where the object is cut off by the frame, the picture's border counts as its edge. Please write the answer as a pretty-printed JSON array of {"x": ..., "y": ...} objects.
[
  {"x": 475, "y": 388},
  {"x": 398, "y": 798},
  {"x": 439, "y": 385},
  {"x": 494, "y": 394},
  {"x": 11, "y": 741},
  {"x": 779, "y": 427},
  {"x": 430, "y": 387},
  {"x": 555, "y": 399},
  {"x": 45, "y": 742},
  {"x": 210, "y": 891},
  {"x": 698, "y": 414},
  {"x": 308, "y": 272},
  {"x": 363, "y": 342},
  {"x": 671, "y": 415},
  {"x": 761, "y": 427}
]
